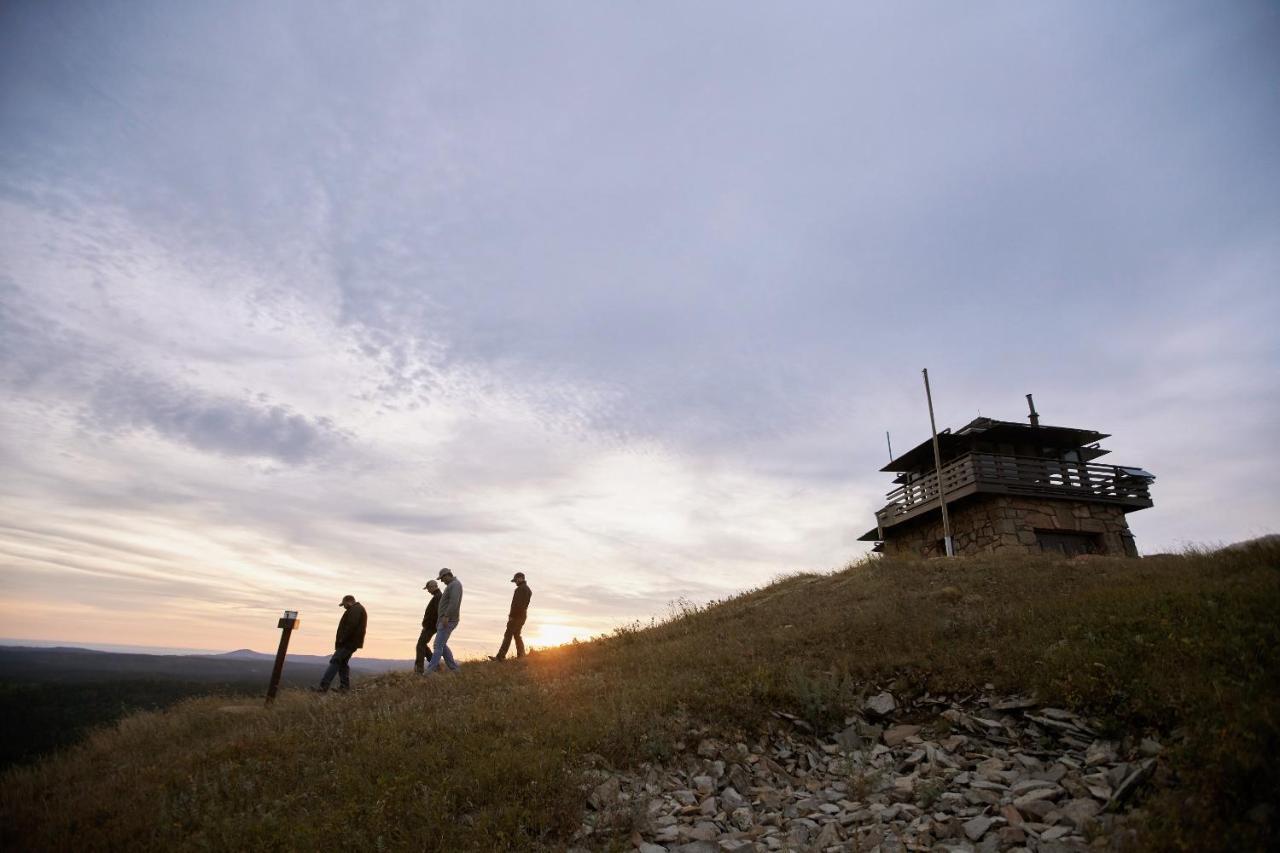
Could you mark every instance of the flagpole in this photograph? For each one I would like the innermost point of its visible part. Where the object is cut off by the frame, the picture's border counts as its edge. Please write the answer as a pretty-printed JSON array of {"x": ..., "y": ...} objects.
[{"x": 937, "y": 461}]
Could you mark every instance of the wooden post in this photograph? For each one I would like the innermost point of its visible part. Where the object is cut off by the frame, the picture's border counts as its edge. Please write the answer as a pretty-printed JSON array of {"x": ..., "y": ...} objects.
[
  {"x": 286, "y": 624},
  {"x": 937, "y": 461}
]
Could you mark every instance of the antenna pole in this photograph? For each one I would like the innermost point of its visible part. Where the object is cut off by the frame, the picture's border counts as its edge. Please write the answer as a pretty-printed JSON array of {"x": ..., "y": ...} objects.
[
  {"x": 890, "y": 443},
  {"x": 937, "y": 461}
]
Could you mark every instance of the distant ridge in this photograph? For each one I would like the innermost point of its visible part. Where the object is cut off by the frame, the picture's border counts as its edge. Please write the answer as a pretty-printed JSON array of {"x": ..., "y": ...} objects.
[
  {"x": 244, "y": 654},
  {"x": 357, "y": 662},
  {"x": 93, "y": 663}
]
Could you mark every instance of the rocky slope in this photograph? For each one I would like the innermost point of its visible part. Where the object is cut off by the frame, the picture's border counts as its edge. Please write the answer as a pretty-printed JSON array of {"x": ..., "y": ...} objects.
[{"x": 977, "y": 774}]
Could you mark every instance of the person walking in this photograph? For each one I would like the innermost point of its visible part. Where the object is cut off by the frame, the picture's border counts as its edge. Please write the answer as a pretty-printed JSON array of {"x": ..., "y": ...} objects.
[
  {"x": 515, "y": 618},
  {"x": 450, "y": 613},
  {"x": 350, "y": 637},
  {"x": 429, "y": 619}
]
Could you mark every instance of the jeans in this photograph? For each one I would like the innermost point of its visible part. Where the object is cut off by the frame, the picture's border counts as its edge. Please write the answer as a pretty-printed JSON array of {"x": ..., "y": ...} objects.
[
  {"x": 423, "y": 650},
  {"x": 514, "y": 624},
  {"x": 338, "y": 666},
  {"x": 442, "y": 647}
]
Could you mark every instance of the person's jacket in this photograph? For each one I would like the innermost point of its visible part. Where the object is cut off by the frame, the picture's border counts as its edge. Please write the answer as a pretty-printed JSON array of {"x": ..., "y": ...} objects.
[
  {"x": 351, "y": 628},
  {"x": 451, "y": 602},
  {"x": 520, "y": 601},
  {"x": 433, "y": 611}
]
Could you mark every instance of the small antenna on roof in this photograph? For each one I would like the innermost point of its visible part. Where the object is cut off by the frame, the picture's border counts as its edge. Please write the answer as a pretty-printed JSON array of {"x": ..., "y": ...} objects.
[
  {"x": 1034, "y": 417},
  {"x": 890, "y": 443}
]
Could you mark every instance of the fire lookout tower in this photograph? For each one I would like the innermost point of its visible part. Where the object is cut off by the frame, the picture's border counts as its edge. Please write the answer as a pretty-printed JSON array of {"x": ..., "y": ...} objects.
[{"x": 1011, "y": 486}]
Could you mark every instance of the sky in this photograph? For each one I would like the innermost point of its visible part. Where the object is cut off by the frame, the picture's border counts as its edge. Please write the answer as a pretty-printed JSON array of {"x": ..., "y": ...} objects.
[{"x": 300, "y": 300}]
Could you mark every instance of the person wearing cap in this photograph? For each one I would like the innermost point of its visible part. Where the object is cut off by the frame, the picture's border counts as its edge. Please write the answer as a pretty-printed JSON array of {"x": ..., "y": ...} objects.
[
  {"x": 450, "y": 613},
  {"x": 349, "y": 638},
  {"x": 515, "y": 618},
  {"x": 429, "y": 619}
]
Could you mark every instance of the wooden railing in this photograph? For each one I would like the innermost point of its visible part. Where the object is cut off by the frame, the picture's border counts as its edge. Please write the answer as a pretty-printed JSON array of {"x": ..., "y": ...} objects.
[{"x": 1023, "y": 475}]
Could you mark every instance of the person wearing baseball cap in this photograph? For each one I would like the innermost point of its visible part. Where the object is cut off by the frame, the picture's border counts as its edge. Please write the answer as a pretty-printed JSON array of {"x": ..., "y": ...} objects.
[
  {"x": 429, "y": 619},
  {"x": 515, "y": 618},
  {"x": 349, "y": 638},
  {"x": 450, "y": 614}
]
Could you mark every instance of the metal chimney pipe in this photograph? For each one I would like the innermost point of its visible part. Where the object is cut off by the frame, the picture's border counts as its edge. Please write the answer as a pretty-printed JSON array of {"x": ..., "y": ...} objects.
[{"x": 1034, "y": 416}]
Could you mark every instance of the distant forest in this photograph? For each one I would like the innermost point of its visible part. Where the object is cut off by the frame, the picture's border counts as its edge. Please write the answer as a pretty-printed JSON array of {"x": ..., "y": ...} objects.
[{"x": 51, "y": 698}]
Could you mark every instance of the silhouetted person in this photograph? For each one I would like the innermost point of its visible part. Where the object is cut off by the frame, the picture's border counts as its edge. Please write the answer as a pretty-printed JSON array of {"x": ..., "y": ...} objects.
[
  {"x": 515, "y": 619},
  {"x": 349, "y": 638},
  {"x": 429, "y": 619},
  {"x": 450, "y": 614}
]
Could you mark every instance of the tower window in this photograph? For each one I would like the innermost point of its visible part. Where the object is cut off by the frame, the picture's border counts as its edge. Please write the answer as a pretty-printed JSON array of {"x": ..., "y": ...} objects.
[{"x": 1069, "y": 542}]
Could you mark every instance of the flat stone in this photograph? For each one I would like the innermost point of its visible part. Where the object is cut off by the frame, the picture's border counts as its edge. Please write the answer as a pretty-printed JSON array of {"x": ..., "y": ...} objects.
[
  {"x": 646, "y": 847},
  {"x": 1040, "y": 794},
  {"x": 881, "y": 705},
  {"x": 850, "y": 739},
  {"x": 1020, "y": 788},
  {"x": 700, "y": 845},
  {"x": 739, "y": 778},
  {"x": 731, "y": 799},
  {"x": 1126, "y": 788},
  {"x": 1100, "y": 752},
  {"x": 1010, "y": 835},
  {"x": 704, "y": 831},
  {"x": 977, "y": 827},
  {"x": 1080, "y": 812},
  {"x": 829, "y": 836},
  {"x": 1052, "y": 774},
  {"x": 1037, "y": 809},
  {"x": 898, "y": 734},
  {"x": 737, "y": 847}
]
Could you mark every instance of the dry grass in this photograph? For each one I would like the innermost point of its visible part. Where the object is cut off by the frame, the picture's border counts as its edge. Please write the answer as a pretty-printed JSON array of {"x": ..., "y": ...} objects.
[{"x": 490, "y": 759}]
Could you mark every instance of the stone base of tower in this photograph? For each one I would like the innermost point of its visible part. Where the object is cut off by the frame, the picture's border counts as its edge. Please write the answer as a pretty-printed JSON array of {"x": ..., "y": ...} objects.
[{"x": 1002, "y": 523}]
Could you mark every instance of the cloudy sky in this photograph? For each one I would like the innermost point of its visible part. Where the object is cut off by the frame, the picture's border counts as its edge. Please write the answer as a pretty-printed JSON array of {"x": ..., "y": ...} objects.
[{"x": 298, "y": 300}]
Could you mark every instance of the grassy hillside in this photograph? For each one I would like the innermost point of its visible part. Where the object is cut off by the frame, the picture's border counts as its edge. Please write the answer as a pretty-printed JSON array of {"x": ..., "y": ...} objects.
[{"x": 1183, "y": 646}]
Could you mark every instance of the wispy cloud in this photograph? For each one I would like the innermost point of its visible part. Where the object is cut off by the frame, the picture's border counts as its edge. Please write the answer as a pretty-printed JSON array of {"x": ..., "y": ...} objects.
[{"x": 219, "y": 425}]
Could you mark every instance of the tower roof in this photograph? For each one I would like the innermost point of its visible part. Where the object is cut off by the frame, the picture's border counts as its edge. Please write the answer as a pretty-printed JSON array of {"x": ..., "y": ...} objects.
[{"x": 991, "y": 430}]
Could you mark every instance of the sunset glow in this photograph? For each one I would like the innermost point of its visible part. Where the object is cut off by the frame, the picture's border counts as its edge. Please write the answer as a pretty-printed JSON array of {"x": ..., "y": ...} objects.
[{"x": 546, "y": 636}]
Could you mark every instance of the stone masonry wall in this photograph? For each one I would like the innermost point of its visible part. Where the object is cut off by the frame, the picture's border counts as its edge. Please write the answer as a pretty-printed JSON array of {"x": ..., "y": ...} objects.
[{"x": 987, "y": 523}]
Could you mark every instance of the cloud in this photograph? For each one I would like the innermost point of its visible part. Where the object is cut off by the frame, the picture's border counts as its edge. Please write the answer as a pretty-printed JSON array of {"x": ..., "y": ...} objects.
[
  {"x": 428, "y": 524},
  {"x": 218, "y": 425}
]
